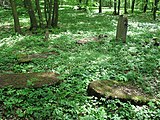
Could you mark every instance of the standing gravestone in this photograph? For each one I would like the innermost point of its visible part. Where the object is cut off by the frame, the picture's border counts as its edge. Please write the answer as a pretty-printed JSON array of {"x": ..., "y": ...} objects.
[{"x": 122, "y": 28}]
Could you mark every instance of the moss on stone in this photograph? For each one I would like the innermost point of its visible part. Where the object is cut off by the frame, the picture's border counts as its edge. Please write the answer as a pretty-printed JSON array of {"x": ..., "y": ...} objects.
[
  {"x": 28, "y": 79},
  {"x": 25, "y": 58},
  {"x": 121, "y": 90}
]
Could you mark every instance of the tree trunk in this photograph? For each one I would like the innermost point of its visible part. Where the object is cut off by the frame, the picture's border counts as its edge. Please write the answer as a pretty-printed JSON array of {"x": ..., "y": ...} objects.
[
  {"x": 122, "y": 28},
  {"x": 39, "y": 13},
  {"x": 15, "y": 16},
  {"x": 110, "y": 4},
  {"x": 49, "y": 21},
  {"x": 55, "y": 14},
  {"x": 100, "y": 6},
  {"x": 33, "y": 20},
  {"x": 46, "y": 10},
  {"x": 119, "y": 6},
  {"x": 115, "y": 7},
  {"x": 24, "y": 3},
  {"x": 132, "y": 7},
  {"x": 152, "y": 6},
  {"x": 155, "y": 9},
  {"x": 145, "y": 6},
  {"x": 125, "y": 7}
]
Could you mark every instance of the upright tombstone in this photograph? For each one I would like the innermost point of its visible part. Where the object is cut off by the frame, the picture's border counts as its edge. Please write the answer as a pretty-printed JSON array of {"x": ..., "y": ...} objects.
[{"x": 122, "y": 28}]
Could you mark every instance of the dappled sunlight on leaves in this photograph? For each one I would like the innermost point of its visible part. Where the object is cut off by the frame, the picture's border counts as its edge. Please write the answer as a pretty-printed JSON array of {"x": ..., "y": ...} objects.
[{"x": 136, "y": 61}]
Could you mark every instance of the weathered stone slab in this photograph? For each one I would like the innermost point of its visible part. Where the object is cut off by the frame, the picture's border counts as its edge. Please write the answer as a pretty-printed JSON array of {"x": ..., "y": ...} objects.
[
  {"x": 92, "y": 39},
  {"x": 22, "y": 80},
  {"x": 24, "y": 58},
  {"x": 114, "y": 89}
]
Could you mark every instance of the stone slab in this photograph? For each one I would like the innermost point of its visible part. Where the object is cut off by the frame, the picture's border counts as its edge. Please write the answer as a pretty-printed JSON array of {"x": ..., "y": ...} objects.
[
  {"x": 24, "y": 58},
  {"x": 114, "y": 89},
  {"x": 92, "y": 39},
  {"x": 22, "y": 80}
]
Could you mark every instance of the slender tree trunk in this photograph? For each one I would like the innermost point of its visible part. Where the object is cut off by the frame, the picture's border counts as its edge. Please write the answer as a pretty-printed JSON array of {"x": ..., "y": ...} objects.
[
  {"x": 33, "y": 20},
  {"x": 46, "y": 10},
  {"x": 55, "y": 14},
  {"x": 110, "y": 3},
  {"x": 49, "y": 21},
  {"x": 115, "y": 7},
  {"x": 145, "y": 6},
  {"x": 100, "y": 6},
  {"x": 152, "y": 6},
  {"x": 119, "y": 6},
  {"x": 132, "y": 7},
  {"x": 24, "y": 3},
  {"x": 155, "y": 9},
  {"x": 125, "y": 7},
  {"x": 39, "y": 13},
  {"x": 15, "y": 16}
]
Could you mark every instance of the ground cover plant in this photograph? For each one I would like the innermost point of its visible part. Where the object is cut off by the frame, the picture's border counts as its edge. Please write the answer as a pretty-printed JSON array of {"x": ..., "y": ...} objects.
[{"x": 137, "y": 61}]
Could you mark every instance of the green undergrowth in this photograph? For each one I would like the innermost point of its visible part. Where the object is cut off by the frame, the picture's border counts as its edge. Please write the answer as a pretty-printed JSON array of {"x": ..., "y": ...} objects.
[{"x": 137, "y": 61}]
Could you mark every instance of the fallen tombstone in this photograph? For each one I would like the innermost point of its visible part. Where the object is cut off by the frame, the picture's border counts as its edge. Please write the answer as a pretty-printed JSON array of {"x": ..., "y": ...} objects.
[
  {"x": 23, "y": 80},
  {"x": 24, "y": 58},
  {"x": 123, "y": 91},
  {"x": 92, "y": 39}
]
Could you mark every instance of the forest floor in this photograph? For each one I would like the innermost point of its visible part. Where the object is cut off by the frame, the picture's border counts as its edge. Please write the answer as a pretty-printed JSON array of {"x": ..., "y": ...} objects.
[{"x": 137, "y": 61}]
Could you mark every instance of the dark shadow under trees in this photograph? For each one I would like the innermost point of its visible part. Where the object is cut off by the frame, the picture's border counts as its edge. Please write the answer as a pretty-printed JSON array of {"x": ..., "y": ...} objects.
[{"x": 37, "y": 13}]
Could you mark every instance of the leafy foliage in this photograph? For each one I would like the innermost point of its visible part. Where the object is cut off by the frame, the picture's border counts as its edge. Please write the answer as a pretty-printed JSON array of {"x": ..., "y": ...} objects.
[{"x": 136, "y": 61}]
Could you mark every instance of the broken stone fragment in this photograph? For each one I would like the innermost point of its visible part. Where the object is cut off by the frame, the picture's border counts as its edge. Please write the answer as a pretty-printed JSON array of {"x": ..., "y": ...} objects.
[{"x": 22, "y": 80}]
